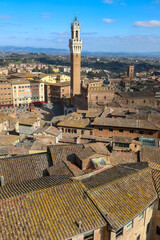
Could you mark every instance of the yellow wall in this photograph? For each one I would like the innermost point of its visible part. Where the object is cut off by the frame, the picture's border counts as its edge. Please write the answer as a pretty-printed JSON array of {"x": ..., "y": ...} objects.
[{"x": 55, "y": 78}]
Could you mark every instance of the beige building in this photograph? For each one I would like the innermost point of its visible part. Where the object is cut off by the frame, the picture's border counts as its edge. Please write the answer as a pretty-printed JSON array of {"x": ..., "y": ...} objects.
[
  {"x": 27, "y": 93},
  {"x": 58, "y": 78},
  {"x": 6, "y": 98}
]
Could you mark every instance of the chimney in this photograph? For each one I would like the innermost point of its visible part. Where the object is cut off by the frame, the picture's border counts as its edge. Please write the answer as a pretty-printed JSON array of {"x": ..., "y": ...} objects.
[
  {"x": 79, "y": 225},
  {"x": 2, "y": 181}
]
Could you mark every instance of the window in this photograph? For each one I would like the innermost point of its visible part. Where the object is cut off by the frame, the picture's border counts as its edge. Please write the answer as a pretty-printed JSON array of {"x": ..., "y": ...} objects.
[
  {"x": 148, "y": 227},
  {"x": 122, "y": 145},
  {"x": 100, "y": 129},
  {"x": 14, "y": 87},
  {"x": 129, "y": 225},
  {"x": 104, "y": 97},
  {"x": 89, "y": 236},
  {"x": 96, "y": 97},
  {"x": 158, "y": 230},
  {"x": 76, "y": 34},
  {"x": 91, "y": 132},
  {"x": 141, "y": 216},
  {"x": 150, "y": 207},
  {"x": 19, "y": 86},
  {"x": 82, "y": 132},
  {"x": 119, "y": 233},
  {"x": 144, "y": 101},
  {"x": 159, "y": 205},
  {"x": 75, "y": 131},
  {"x": 121, "y": 130},
  {"x": 150, "y": 133},
  {"x": 110, "y": 129},
  {"x": 141, "y": 132},
  {"x": 138, "y": 238}
]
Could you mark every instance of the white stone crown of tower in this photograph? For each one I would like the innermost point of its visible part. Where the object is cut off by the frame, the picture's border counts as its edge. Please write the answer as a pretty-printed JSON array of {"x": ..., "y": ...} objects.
[{"x": 75, "y": 43}]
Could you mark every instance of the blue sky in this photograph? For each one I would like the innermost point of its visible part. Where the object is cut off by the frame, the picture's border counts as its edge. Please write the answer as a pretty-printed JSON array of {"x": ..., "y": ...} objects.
[{"x": 106, "y": 25}]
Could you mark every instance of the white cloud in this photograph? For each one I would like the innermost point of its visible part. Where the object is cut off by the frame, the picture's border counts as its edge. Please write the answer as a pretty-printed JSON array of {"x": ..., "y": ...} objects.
[
  {"x": 108, "y": 1},
  {"x": 156, "y": 1},
  {"x": 46, "y": 15},
  {"x": 130, "y": 43},
  {"x": 61, "y": 33},
  {"x": 115, "y": 2},
  {"x": 107, "y": 20},
  {"x": 5, "y": 16},
  {"x": 147, "y": 24}
]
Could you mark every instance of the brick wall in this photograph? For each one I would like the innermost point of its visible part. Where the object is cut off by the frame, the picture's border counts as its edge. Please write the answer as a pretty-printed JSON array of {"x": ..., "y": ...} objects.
[
  {"x": 155, "y": 223},
  {"x": 106, "y": 133},
  {"x": 139, "y": 228}
]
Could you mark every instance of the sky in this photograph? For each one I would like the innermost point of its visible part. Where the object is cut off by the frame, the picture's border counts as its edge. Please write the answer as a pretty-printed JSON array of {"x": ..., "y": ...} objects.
[{"x": 106, "y": 25}]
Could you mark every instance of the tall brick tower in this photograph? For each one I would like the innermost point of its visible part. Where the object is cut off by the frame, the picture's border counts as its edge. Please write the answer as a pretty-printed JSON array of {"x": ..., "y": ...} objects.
[
  {"x": 75, "y": 45},
  {"x": 130, "y": 72}
]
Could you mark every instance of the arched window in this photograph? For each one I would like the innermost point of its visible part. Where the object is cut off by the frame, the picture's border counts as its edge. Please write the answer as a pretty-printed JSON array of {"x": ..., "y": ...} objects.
[{"x": 76, "y": 34}]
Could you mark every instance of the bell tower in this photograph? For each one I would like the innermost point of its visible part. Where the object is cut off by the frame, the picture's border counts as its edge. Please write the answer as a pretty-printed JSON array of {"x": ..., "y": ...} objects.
[{"x": 75, "y": 45}]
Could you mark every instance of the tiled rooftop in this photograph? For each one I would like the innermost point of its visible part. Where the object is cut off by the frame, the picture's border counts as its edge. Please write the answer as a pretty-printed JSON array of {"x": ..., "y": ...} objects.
[
  {"x": 59, "y": 169},
  {"x": 112, "y": 174},
  {"x": 125, "y": 123},
  {"x": 85, "y": 153},
  {"x": 22, "y": 168},
  {"x": 59, "y": 153},
  {"x": 124, "y": 198},
  {"x": 150, "y": 154},
  {"x": 50, "y": 213},
  {"x": 74, "y": 123}
]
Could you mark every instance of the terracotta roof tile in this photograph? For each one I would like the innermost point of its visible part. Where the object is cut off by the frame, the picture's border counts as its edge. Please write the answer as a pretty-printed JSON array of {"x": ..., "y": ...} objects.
[
  {"x": 51, "y": 213},
  {"x": 150, "y": 154},
  {"x": 123, "y": 199},
  {"x": 85, "y": 153},
  {"x": 22, "y": 168},
  {"x": 74, "y": 123},
  {"x": 125, "y": 123}
]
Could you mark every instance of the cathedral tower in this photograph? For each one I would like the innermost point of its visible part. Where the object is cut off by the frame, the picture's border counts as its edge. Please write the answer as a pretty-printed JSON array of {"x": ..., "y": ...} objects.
[{"x": 75, "y": 45}]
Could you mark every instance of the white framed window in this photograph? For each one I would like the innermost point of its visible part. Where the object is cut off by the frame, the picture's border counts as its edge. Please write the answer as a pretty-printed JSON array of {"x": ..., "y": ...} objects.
[
  {"x": 129, "y": 225},
  {"x": 141, "y": 216},
  {"x": 150, "y": 207}
]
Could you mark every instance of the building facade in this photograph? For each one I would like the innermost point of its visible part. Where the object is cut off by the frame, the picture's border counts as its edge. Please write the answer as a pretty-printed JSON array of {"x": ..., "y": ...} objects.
[
  {"x": 28, "y": 93},
  {"x": 6, "y": 97}
]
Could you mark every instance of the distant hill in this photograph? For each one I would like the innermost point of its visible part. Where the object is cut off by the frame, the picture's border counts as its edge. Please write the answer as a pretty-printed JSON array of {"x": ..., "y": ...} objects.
[{"x": 55, "y": 51}]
